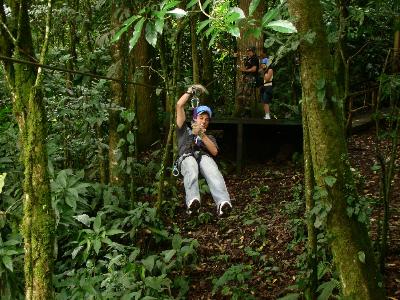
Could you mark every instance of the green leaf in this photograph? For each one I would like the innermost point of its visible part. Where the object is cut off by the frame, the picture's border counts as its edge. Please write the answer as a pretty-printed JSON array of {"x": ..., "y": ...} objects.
[
  {"x": 169, "y": 4},
  {"x": 330, "y": 180},
  {"x": 130, "y": 137},
  {"x": 202, "y": 24},
  {"x": 157, "y": 283},
  {"x": 121, "y": 127},
  {"x": 2, "y": 179},
  {"x": 148, "y": 262},
  {"x": 176, "y": 242},
  {"x": 84, "y": 219},
  {"x": 283, "y": 26},
  {"x": 71, "y": 202},
  {"x": 128, "y": 22},
  {"x": 327, "y": 289},
  {"x": 169, "y": 254},
  {"x": 361, "y": 256},
  {"x": 76, "y": 251},
  {"x": 253, "y": 6},
  {"x": 239, "y": 11},
  {"x": 62, "y": 178},
  {"x": 96, "y": 245},
  {"x": 269, "y": 16},
  {"x": 151, "y": 34},
  {"x": 130, "y": 116},
  {"x": 137, "y": 32},
  {"x": 234, "y": 31},
  {"x": 159, "y": 24},
  {"x": 191, "y": 3},
  {"x": 114, "y": 231},
  {"x": 97, "y": 224},
  {"x": 321, "y": 95},
  {"x": 7, "y": 261}
]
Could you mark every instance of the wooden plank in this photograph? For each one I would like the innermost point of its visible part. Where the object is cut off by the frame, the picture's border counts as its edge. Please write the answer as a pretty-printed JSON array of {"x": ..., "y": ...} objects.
[{"x": 283, "y": 122}]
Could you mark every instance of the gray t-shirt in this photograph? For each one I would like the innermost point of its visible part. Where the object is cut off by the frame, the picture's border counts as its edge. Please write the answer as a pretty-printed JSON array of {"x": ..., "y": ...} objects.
[{"x": 186, "y": 141}]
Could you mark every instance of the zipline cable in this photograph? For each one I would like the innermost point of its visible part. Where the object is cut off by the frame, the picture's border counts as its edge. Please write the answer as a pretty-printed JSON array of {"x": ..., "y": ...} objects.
[{"x": 20, "y": 61}]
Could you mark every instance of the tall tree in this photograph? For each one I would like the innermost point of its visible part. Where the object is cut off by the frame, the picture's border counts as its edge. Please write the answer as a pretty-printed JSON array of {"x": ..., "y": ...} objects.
[
  {"x": 121, "y": 69},
  {"x": 25, "y": 83},
  {"x": 349, "y": 241}
]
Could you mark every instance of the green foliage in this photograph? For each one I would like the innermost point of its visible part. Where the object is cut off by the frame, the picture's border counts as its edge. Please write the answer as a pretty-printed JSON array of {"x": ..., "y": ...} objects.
[{"x": 233, "y": 282}]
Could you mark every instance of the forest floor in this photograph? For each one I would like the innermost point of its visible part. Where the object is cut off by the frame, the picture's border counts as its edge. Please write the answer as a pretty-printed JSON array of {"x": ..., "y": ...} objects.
[{"x": 257, "y": 242}]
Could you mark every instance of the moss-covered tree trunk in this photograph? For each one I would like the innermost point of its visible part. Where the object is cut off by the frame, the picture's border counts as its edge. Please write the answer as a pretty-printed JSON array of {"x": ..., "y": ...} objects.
[
  {"x": 309, "y": 183},
  {"x": 145, "y": 96},
  {"x": 349, "y": 241},
  {"x": 121, "y": 69},
  {"x": 25, "y": 82}
]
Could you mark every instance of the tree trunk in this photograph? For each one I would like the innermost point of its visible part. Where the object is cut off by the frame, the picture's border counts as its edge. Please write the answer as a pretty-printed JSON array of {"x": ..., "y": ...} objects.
[
  {"x": 119, "y": 101},
  {"x": 349, "y": 241},
  {"x": 195, "y": 56},
  {"x": 145, "y": 101},
  {"x": 309, "y": 184},
  {"x": 38, "y": 227}
]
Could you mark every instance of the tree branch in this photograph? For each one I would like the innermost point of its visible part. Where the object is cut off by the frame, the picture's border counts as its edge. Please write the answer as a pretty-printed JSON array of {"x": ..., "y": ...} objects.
[{"x": 12, "y": 38}]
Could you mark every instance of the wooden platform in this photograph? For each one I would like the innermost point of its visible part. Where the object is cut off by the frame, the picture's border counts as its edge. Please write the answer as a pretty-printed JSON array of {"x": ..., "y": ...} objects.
[{"x": 256, "y": 138}]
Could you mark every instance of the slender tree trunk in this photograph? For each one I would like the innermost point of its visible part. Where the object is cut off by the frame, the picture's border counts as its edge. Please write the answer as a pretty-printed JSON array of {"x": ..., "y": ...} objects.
[
  {"x": 310, "y": 218},
  {"x": 349, "y": 241},
  {"x": 195, "y": 55},
  {"x": 119, "y": 98},
  {"x": 38, "y": 227}
]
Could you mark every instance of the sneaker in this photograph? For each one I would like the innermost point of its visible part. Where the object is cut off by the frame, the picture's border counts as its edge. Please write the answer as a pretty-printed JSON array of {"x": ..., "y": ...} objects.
[
  {"x": 224, "y": 209},
  {"x": 193, "y": 206},
  {"x": 267, "y": 117}
]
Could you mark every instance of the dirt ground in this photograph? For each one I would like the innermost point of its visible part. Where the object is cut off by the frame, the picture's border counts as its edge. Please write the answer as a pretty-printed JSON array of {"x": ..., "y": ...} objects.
[{"x": 259, "y": 237}]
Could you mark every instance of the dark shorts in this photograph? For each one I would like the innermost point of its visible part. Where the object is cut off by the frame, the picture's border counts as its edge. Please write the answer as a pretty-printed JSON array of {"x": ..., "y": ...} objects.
[{"x": 266, "y": 94}]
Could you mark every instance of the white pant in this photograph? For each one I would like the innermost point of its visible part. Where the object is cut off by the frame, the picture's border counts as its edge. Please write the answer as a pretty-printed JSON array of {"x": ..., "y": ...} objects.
[{"x": 209, "y": 169}]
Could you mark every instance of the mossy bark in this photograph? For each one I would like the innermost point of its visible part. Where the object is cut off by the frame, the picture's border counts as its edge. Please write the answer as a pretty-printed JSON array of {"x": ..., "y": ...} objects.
[
  {"x": 309, "y": 183},
  {"x": 349, "y": 241},
  {"x": 38, "y": 227}
]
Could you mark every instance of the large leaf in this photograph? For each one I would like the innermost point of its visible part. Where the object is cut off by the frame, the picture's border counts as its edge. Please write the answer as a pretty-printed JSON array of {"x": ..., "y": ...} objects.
[
  {"x": 148, "y": 262},
  {"x": 136, "y": 33},
  {"x": 97, "y": 224},
  {"x": 151, "y": 34},
  {"x": 125, "y": 27},
  {"x": 253, "y": 6},
  {"x": 84, "y": 219},
  {"x": 269, "y": 16},
  {"x": 283, "y": 26},
  {"x": 202, "y": 24},
  {"x": 7, "y": 261}
]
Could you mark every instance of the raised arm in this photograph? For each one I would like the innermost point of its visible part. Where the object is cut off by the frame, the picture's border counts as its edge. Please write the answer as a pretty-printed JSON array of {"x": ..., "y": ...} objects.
[{"x": 180, "y": 109}]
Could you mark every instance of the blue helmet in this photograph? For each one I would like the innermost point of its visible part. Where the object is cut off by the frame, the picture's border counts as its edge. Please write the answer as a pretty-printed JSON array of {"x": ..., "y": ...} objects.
[
  {"x": 202, "y": 109},
  {"x": 264, "y": 61}
]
